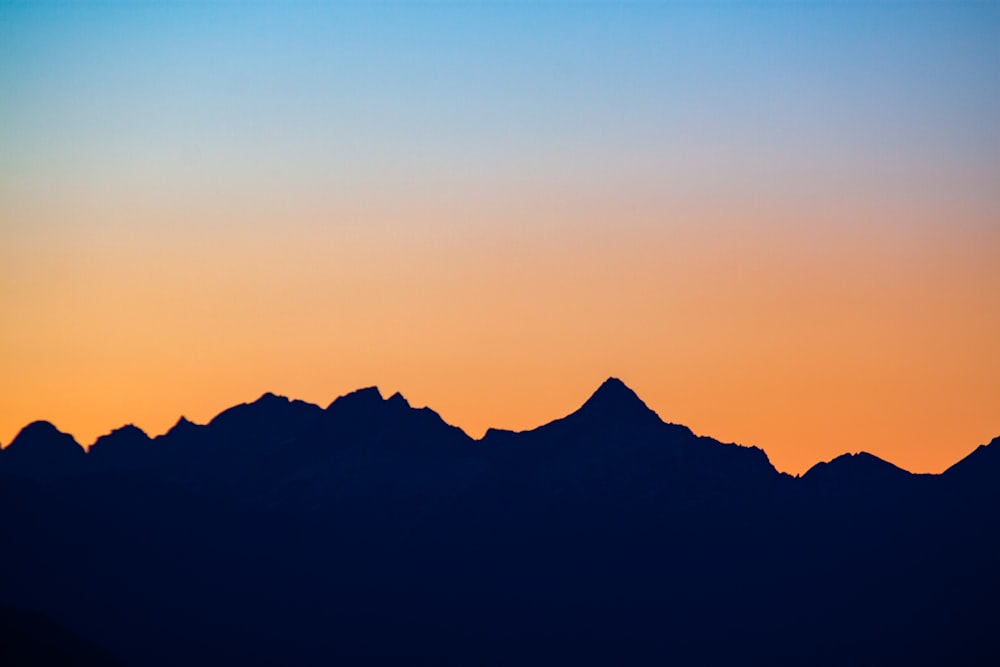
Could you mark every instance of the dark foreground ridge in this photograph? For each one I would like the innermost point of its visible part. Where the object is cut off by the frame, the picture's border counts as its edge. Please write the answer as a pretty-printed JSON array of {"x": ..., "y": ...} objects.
[{"x": 374, "y": 533}]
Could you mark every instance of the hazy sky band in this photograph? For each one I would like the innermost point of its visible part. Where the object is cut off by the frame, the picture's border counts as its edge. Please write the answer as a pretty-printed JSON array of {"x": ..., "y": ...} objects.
[{"x": 770, "y": 219}]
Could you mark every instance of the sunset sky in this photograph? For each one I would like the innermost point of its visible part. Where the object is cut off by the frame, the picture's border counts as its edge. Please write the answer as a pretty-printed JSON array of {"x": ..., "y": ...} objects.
[{"x": 779, "y": 223}]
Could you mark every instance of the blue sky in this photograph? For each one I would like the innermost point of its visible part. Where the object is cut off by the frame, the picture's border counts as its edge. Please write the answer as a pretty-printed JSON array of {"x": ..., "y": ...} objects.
[
  {"x": 794, "y": 93},
  {"x": 777, "y": 221}
]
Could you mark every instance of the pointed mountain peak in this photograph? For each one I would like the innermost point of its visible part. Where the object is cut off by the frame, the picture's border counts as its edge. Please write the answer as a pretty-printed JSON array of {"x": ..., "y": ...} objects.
[
  {"x": 183, "y": 425},
  {"x": 613, "y": 387},
  {"x": 614, "y": 398},
  {"x": 398, "y": 400},
  {"x": 269, "y": 398},
  {"x": 612, "y": 408},
  {"x": 614, "y": 384}
]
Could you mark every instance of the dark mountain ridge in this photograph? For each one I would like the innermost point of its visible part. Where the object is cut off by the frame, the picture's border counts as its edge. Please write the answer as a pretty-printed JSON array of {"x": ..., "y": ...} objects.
[
  {"x": 370, "y": 532},
  {"x": 275, "y": 426}
]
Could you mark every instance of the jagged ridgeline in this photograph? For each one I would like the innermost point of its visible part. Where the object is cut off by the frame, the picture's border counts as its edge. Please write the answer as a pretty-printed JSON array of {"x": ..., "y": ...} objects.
[{"x": 371, "y": 532}]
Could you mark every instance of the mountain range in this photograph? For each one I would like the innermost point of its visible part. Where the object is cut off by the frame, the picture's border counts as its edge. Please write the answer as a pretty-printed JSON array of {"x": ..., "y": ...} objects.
[{"x": 374, "y": 533}]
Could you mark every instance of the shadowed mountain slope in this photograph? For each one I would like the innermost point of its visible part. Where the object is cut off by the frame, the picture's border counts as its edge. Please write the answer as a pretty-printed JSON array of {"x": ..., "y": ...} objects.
[{"x": 983, "y": 464}]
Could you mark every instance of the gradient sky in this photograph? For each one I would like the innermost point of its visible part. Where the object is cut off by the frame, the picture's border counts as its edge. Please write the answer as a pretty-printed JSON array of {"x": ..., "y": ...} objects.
[{"x": 778, "y": 222}]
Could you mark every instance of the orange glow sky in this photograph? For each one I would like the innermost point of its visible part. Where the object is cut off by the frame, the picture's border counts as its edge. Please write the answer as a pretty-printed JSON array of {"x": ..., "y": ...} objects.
[{"x": 790, "y": 242}]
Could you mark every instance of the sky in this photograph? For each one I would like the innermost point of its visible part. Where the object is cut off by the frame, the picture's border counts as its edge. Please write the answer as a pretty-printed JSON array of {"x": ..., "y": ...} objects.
[{"x": 779, "y": 223}]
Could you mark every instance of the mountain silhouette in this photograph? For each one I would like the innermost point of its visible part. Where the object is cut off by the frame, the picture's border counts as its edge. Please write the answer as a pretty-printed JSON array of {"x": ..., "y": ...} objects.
[
  {"x": 372, "y": 532},
  {"x": 41, "y": 450},
  {"x": 977, "y": 474},
  {"x": 610, "y": 409},
  {"x": 982, "y": 464},
  {"x": 614, "y": 402},
  {"x": 616, "y": 444},
  {"x": 855, "y": 473},
  {"x": 126, "y": 447}
]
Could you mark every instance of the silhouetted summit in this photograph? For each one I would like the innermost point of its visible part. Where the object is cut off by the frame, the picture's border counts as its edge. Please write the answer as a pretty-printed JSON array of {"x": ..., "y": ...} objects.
[
  {"x": 398, "y": 400},
  {"x": 853, "y": 472},
  {"x": 42, "y": 450},
  {"x": 614, "y": 402},
  {"x": 616, "y": 443},
  {"x": 183, "y": 426},
  {"x": 612, "y": 410},
  {"x": 126, "y": 447},
  {"x": 43, "y": 438}
]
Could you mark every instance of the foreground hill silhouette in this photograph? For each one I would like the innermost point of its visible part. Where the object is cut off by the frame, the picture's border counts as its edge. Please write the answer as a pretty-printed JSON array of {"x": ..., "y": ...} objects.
[{"x": 374, "y": 533}]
